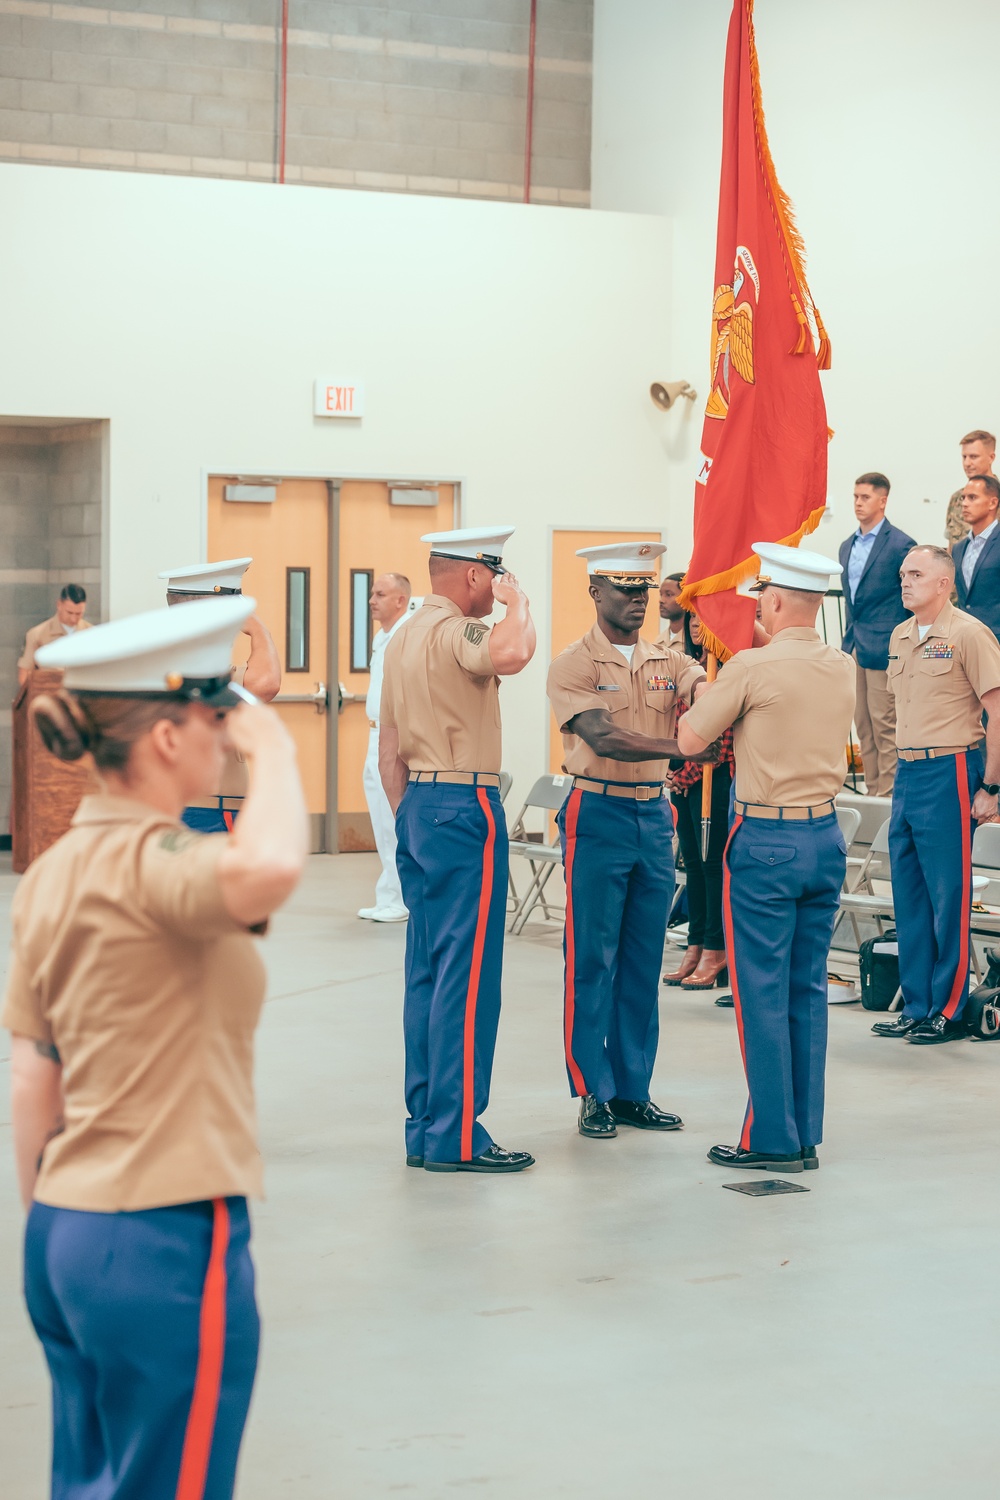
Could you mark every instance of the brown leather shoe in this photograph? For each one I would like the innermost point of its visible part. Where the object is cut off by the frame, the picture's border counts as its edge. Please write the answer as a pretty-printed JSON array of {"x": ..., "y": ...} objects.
[
  {"x": 690, "y": 962},
  {"x": 710, "y": 972}
]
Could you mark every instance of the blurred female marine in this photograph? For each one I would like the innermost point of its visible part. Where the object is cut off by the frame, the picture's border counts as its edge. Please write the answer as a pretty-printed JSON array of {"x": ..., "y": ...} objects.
[{"x": 133, "y": 997}]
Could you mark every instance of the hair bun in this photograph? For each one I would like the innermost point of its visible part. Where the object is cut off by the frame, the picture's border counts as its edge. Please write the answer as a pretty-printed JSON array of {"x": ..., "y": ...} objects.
[{"x": 64, "y": 725}]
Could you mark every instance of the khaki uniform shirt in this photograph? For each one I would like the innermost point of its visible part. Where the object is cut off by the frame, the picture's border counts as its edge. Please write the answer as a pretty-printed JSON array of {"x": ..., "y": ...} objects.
[
  {"x": 672, "y": 639},
  {"x": 440, "y": 691},
  {"x": 791, "y": 704},
  {"x": 642, "y": 698},
  {"x": 937, "y": 683},
  {"x": 125, "y": 959},
  {"x": 955, "y": 526},
  {"x": 43, "y": 635}
]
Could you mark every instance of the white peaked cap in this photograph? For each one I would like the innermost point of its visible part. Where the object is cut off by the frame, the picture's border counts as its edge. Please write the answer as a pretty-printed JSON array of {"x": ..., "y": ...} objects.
[
  {"x": 471, "y": 543},
  {"x": 185, "y": 652},
  {"x": 620, "y": 561},
  {"x": 208, "y": 578},
  {"x": 792, "y": 568}
]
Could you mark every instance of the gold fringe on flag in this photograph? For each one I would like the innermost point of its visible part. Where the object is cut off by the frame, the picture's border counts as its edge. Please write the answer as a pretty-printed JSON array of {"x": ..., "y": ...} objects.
[
  {"x": 784, "y": 214},
  {"x": 732, "y": 577}
]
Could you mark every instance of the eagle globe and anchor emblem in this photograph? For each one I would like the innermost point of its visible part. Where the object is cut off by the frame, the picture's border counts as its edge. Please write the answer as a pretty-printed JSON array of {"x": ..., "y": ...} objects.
[{"x": 732, "y": 332}]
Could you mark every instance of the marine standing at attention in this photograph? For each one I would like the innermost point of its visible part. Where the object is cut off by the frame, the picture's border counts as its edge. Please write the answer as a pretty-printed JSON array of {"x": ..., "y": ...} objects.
[
  {"x": 439, "y": 756},
  {"x": 944, "y": 671},
  {"x": 614, "y": 697},
  {"x": 133, "y": 995},
  {"x": 260, "y": 675},
  {"x": 791, "y": 704}
]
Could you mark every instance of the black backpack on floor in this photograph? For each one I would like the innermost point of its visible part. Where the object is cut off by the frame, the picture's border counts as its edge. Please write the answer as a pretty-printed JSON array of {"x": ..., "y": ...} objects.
[
  {"x": 982, "y": 1009},
  {"x": 878, "y": 972}
]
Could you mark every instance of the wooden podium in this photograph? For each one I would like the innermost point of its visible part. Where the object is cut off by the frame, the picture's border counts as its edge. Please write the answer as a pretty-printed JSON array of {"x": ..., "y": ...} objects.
[{"x": 47, "y": 790}]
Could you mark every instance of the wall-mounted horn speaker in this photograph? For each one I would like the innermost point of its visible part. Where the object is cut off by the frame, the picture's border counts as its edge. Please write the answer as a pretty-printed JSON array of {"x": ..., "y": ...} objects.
[{"x": 664, "y": 395}]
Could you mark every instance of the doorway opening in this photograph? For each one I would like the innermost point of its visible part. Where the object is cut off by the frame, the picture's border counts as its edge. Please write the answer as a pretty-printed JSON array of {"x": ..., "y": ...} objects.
[{"x": 317, "y": 545}]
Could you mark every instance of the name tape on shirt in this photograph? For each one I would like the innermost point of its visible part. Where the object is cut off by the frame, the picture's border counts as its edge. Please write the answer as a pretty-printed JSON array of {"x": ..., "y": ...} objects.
[
  {"x": 656, "y": 684},
  {"x": 938, "y": 651},
  {"x": 609, "y": 687}
]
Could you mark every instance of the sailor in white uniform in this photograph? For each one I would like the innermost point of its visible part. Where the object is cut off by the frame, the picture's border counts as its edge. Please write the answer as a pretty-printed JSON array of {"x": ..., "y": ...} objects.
[{"x": 391, "y": 605}]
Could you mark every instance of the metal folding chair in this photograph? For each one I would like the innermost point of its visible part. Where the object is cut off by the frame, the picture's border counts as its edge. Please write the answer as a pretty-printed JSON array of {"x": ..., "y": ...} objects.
[
  {"x": 547, "y": 795},
  {"x": 985, "y": 863},
  {"x": 862, "y": 899}
]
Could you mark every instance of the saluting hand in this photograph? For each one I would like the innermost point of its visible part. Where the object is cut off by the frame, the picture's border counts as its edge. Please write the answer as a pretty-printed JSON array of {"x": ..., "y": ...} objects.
[
  {"x": 254, "y": 729},
  {"x": 507, "y": 590}
]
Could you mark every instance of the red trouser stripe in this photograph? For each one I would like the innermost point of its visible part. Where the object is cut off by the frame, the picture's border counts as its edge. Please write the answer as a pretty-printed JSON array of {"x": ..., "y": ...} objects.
[
  {"x": 727, "y": 917},
  {"x": 228, "y": 819},
  {"x": 208, "y": 1376},
  {"x": 965, "y": 814},
  {"x": 569, "y": 1004},
  {"x": 478, "y": 946}
]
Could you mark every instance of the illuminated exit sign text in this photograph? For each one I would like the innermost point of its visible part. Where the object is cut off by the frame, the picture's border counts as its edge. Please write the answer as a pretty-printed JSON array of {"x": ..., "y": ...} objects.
[{"x": 339, "y": 398}]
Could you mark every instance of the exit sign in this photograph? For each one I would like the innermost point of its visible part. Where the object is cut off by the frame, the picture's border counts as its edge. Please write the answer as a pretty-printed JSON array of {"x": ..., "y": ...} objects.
[{"x": 339, "y": 398}]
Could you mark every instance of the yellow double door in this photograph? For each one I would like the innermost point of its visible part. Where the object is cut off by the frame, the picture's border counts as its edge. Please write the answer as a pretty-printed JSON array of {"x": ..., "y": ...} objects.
[{"x": 316, "y": 549}]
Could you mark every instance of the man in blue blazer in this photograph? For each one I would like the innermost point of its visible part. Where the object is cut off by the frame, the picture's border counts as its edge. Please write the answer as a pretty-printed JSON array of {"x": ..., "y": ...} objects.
[
  {"x": 874, "y": 607},
  {"x": 977, "y": 558}
]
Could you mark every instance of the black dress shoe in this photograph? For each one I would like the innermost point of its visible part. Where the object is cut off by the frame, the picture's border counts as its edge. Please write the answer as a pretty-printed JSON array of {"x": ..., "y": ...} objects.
[
  {"x": 644, "y": 1115},
  {"x": 929, "y": 1033},
  {"x": 761, "y": 1161},
  {"x": 494, "y": 1160},
  {"x": 901, "y": 1026},
  {"x": 596, "y": 1120},
  {"x": 810, "y": 1161},
  {"x": 414, "y": 1161}
]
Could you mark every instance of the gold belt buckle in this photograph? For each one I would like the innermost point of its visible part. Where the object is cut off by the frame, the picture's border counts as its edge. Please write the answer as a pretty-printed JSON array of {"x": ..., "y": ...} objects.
[{"x": 643, "y": 793}]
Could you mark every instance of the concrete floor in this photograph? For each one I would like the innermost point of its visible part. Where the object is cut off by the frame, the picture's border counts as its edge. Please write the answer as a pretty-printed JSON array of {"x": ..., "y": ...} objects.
[{"x": 612, "y": 1321}]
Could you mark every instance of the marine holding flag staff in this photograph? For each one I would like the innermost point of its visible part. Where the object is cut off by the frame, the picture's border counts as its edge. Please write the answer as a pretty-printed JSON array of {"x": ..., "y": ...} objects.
[
  {"x": 791, "y": 704},
  {"x": 615, "y": 698},
  {"x": 439, "y": 758}
]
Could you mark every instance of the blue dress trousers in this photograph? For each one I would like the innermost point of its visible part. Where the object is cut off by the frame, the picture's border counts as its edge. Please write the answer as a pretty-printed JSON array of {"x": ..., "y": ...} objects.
[
  {"x": 930, "y": 851},
  {"x": 452, "y": 863},
  {"x": 619, "y": 864},
  {"x": 150, "y": 1329},
  {"x": 780, "y": 895}
]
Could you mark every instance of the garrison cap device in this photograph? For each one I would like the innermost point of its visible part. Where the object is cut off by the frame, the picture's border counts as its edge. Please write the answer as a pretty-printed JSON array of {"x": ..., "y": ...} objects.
[
  {"x": 472, "y": 544},
  {"x": 627, "y": 565},
  {"x": 166, "y": 653},
  {"x": 208, "y": 578},
  {"x": 792, "y": 568}
]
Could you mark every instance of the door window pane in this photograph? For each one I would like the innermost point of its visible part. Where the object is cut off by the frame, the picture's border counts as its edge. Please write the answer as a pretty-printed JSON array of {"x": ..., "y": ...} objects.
[
  {"x": 362, "y": 580},
  {"x": 297, "y": 620}
]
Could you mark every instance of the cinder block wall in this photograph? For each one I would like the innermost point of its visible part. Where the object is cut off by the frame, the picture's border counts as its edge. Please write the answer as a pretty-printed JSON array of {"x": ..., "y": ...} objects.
[{"x": 424, "y": 96}]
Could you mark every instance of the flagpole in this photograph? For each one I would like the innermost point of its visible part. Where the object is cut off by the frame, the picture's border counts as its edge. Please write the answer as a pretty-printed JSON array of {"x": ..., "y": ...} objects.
[{"x": 711, "y": 668}]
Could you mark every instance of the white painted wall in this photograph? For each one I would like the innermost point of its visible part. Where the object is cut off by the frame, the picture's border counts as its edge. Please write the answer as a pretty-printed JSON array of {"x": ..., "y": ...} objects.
[
  {"x": 510, "y": 347},
  {"x": 883, "y": 125}
]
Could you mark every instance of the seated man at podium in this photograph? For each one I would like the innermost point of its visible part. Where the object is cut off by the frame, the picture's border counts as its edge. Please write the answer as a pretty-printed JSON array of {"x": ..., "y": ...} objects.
[
  {"x": 261, "y": 675},
  {"x": 70, "y": 609}
]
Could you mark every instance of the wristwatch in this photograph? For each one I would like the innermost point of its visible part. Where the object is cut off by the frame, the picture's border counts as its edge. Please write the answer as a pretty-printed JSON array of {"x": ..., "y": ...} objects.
[{"x": 991, "y": 788}]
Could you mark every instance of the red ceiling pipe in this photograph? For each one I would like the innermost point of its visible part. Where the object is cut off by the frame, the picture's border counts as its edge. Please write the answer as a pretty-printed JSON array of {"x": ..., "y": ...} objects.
[
  {"x": 529, "y": 122},
  {"x": 283, "y": 92}
]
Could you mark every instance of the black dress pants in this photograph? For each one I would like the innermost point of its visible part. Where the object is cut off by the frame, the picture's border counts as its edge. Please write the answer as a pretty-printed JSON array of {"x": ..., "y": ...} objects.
[{"x": 704, "y": 877}]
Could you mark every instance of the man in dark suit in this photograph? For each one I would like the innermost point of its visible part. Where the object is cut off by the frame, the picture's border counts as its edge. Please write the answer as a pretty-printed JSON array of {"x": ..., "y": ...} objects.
[
  {"x": 874, "y": 607},
  {"x": 977, "y": 558}
]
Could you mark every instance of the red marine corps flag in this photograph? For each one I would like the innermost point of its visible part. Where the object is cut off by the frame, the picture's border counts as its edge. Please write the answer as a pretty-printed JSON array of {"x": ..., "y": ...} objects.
[{"x": 763, "y": 469}]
